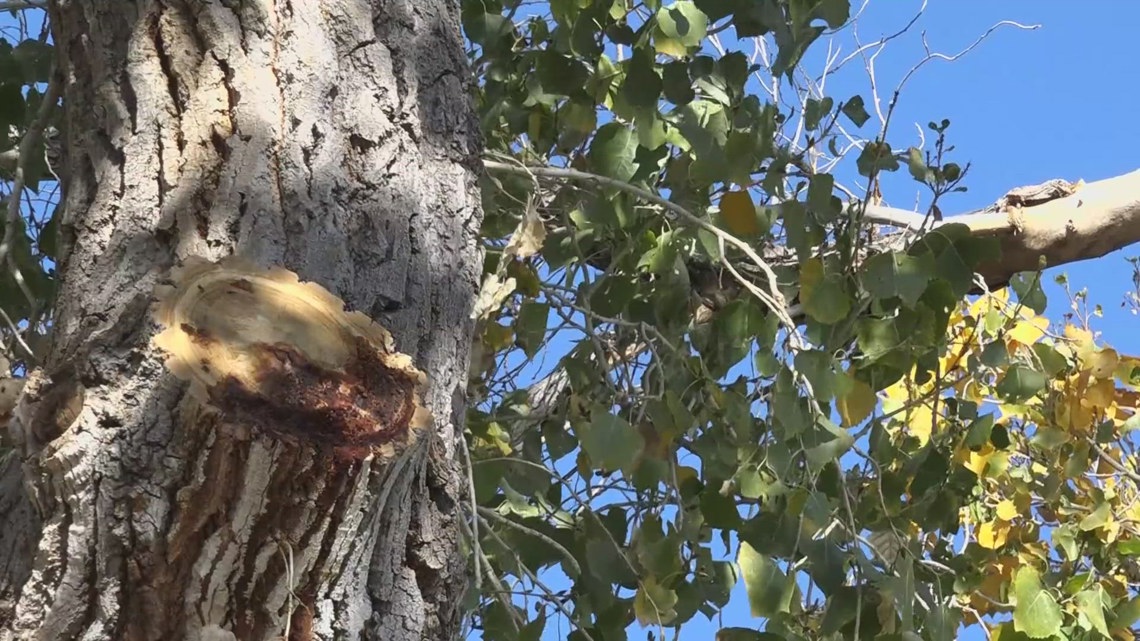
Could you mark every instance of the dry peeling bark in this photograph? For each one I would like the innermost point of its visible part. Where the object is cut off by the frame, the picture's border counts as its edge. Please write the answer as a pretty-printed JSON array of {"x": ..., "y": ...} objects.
[
  {"x": 1093, "y": 220},
  {"x": 334, "y": 139}
]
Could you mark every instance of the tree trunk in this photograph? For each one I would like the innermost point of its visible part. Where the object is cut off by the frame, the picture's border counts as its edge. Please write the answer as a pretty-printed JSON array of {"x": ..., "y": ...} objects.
[{"x": 334, "y": 139}]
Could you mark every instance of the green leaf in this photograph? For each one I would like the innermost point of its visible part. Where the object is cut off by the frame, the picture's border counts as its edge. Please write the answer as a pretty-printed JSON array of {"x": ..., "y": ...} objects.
[
  {"x": 978, "y": 434},
  {"x": 1090, "y": 610},
  {"x": 1020, "y": 384},
  {"x": 1036, "y": 613},
  {"x": 610, "y": 441},
  {"x": 815, "y": 110},
  {"x": 1096, "y": 518},
  {"x": 823, "y": 203},
  {"x": 642, "y": 86},
  {"x": 1126, "y": 613},
  {"x": 678, "y": 86},
  {"x": 769, "y": 589},
  {"x": 653, "y": 604},
  {"x": 1027, "y": 286},
  {"x": 876, "y": 157},
  {"x": 822, "y": 295},
  {"x": 1065, "y": 539},
  {"x": 894, "y": 274},
  {"x": 530, "y": 326},
  {"x": 612, "y": 151},
  {"x": 855, "y": 111},
  {"x": 745, "y": 634},
  {"x": 680, "y": 27}
]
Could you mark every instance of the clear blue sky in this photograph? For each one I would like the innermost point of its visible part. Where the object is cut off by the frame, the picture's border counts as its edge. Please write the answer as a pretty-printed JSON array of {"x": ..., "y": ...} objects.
[{"x": 1025, "y": 107}]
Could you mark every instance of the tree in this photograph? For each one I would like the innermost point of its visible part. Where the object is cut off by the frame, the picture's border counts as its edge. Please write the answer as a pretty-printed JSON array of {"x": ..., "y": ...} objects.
[
  {"x": 285, "y": 482},
  {"x": 758, "y": 372},
  {"x": 772, "y": 376}
]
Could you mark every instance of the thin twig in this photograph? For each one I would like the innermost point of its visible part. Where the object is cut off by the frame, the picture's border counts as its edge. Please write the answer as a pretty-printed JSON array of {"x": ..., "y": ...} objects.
[
  {"x": 27, "y": 144},
  {"x": 773, "y": 299},
  {"x": 487, "y": 512}
]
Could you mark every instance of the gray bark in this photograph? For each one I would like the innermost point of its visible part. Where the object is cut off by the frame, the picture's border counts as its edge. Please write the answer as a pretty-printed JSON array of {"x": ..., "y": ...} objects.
[{"x": 335, "y": 139}]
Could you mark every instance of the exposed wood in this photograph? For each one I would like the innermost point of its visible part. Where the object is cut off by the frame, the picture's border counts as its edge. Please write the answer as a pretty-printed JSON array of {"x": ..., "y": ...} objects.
[{"x": 1098, "y": 218}]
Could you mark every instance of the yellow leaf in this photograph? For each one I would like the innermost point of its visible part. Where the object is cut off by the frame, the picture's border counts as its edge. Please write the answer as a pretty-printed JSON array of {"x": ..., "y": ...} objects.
[
  {"x": 993, "y": 534},
  {"x": 1082, "y": 340},
  {"x": 895, "y": 396},
  {"x": 921, "y": 423},
  {"x": 739, "y": 213},
  {"x": 1102, "y": 363},
  {"x": 1006, "y": 510},
  {"x": 1028, "y": 332},
  {"x": 857, "y": 404},
  {"x": 1100, "y": 394},
  {"x": 977, "y": 461}
]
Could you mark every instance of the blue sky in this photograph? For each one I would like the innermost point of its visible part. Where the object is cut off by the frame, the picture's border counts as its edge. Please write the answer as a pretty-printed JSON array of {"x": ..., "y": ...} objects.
[{"x": 1025, "y": 106}]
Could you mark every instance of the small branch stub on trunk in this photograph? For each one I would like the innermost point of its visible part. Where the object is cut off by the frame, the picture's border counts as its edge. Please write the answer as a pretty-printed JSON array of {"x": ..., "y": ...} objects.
[{"x": 282, "y": 357}]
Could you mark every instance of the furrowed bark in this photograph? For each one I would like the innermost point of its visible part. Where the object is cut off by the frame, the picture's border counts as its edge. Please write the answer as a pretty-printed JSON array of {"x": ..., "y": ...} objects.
[{"x": 334, "y": 139}]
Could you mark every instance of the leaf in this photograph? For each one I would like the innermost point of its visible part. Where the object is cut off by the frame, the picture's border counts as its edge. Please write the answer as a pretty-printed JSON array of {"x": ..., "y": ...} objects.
[
  {"x": 678, "y": 86},
  {"x": 528, "y": 237},
  {"x": 530, "y": 326},
  {"x": 494, "y": 291},
  {"x": 612, "y": 151},
  {"x": 855, "y": 111},
  {"x": 739, "y": 214},
  {"x": 822, "y": 295},
  {"x": 1097, "y": 518},
  {"x": 1126, "y": 614},
  {"x": 978, "y": 434},
  {"x": 610, "y": 441},
  {"x": 642, "y": 86},
  {"x": 653, "y": 604},
  {"x": 857, "y": 404},
  {"x": 814, "y": 111},
  {"x": 895, "y": 274},
  {"x": 993, "y": 534},
  {"x": 1020, "y": 384},
  {"x": 680, "y": 26},
  {"x": 769, "y": 590},
  {"x": 1006, "y": 510},
  {"x": 745, "y": 634},
  {"x": 1090, "y": 609},
  {"x": 1027, "y": 285},
  {"x": 876, "y": 157},
  {"x": 1036, "y": 613}
]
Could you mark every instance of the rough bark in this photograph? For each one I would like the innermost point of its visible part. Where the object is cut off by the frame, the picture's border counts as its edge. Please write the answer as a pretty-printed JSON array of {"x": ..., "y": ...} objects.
[{"x": 334, "y": 139}]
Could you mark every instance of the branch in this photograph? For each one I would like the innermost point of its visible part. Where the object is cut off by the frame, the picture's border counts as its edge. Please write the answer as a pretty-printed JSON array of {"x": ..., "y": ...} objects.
[
  {"x": 1099, "y": 218},
  {"x": 18, "y": 5}
]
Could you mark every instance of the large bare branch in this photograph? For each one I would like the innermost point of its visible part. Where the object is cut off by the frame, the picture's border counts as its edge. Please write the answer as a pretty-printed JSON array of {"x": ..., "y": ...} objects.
[{"x": 1097, "y": 218}]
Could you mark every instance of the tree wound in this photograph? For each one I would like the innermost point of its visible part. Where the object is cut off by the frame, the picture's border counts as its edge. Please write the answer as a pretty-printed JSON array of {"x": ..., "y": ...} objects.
[{"x": 282, "y": 357}]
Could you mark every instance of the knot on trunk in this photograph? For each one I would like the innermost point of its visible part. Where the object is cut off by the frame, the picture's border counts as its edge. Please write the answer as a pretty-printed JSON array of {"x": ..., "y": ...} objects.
[{"x": 284, "y": 358}]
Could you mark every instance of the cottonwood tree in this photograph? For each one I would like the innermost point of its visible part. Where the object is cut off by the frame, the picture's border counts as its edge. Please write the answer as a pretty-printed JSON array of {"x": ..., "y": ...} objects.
[
  {"x": 759, "y": 351},
  {"x": 263, "y": 470}
]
